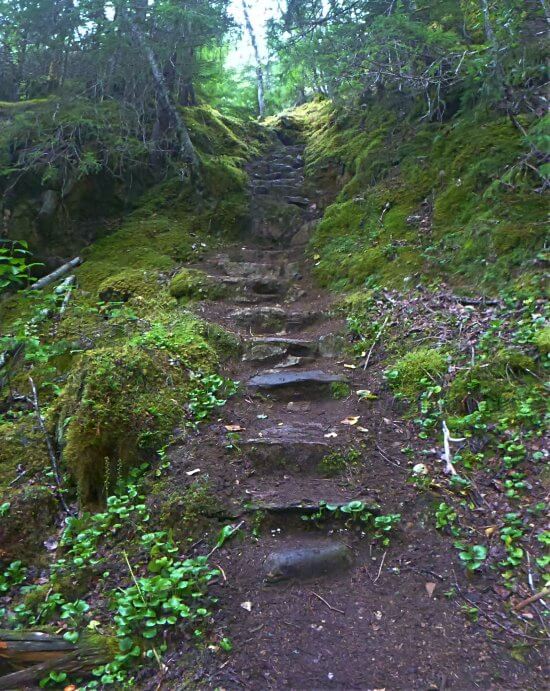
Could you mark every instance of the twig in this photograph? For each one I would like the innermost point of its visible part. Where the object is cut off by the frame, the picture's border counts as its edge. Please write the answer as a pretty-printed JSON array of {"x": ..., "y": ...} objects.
[
  {"x": 222, "y": 571},
  {"x": 49, "y": 446},
  {"x": 381, "y": 565},
  {"x": 388, "y": 460},
  {"x": 487, "y": 616},
  {"x": 233, "y": 531},
  {"x": 533, "y": 598},
  {"x": 449, "y": 467},
  {"x": 375, "y": 341},
  {"x": 334, "y": 609}
]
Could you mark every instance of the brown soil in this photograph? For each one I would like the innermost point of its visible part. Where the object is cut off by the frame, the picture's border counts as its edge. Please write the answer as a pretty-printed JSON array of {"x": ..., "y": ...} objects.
[{"x": 395, "y": 619}]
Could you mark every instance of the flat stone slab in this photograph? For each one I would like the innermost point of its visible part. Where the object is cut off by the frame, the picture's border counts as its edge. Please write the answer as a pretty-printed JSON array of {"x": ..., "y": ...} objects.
[
  {"x": 272, "y": 320},
  {"x": 305, "y": 383},
  {"x": 303, "y": 562},
  {"x": 276, "y": 347},
  {"x": 294, "y": 447}
]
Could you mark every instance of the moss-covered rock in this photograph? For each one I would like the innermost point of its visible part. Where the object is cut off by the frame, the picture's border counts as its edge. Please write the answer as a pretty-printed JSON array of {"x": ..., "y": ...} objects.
[
  {"x": 407, "y": 376},
  {"x": 124, "y": 400},
  {"x": 193, "y": 284},
  {"x": 408, "y": 199},
  {"x": 496, "y": 381}
]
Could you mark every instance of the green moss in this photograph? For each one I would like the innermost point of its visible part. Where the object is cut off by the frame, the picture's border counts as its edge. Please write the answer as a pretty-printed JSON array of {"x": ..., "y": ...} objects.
[
  {"x": 128, "y": 284},
  {"x": 495, "y": 380},
  {"x": 22, "y": 447},
  {"x": 191, "y": 513},
  {"x": 338, "y": 462},
  {"x": 477, "y": 208},
  {"x": 542, "y": 339},
  {"x": 193, "y": 284},
  {"x": 123, "y": 400},
  {"x": 340, "y": 390},
  {"x": 407, "y": 376}
]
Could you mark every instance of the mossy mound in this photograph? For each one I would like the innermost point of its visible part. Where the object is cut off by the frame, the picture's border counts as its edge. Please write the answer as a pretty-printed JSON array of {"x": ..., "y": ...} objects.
[
  {"x": 124, "y": 400},
  {"x": 32, "y": 517},
  {"x": 194, "y": 284},
  {"x": 129, "y": 284},
  {"x": 407, "y": 200},
  {"x": 407, "y": 376},
  {"x": 501, "y": 381}
]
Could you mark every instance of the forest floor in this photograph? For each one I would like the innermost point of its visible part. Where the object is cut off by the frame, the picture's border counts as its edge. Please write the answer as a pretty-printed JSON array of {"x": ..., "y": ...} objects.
[{"x": 335, "y": 601}]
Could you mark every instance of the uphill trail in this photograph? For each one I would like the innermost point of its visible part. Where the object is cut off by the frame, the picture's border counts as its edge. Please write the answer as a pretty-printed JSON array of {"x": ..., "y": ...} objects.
[{"x": 322, "y": 604}]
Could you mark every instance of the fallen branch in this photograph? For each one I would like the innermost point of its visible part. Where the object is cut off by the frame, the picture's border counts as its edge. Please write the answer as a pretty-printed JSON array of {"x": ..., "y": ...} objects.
[
  {"x": 57, "y": 274},
  {"x": 449, "y": 467},
  {"x": 533, "y": 598},
  {"x": 45, "y": 652},
  {"x": 67, "y": 286},
  {"x": 51, "y": 452}
]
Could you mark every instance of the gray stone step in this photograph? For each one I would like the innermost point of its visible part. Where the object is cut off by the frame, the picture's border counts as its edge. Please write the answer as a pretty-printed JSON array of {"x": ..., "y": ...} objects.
[
  {"x": 281, "y": 190},
  {"x": 258, "y": 285},
  {"x": 302, "y": 202},
  {"x": 291, "y": 448},
  {"x": 273, "y": 320},
  {"x": 303, "y": 384},
  {"x": 289, "y": 175},
  {"x": 308, "y": 560},
  {"x": 273, "y": 349}
]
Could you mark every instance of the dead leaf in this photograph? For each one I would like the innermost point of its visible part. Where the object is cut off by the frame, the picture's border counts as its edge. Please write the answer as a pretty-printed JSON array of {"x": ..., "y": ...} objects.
[
  {"x": 234, "y": 428},
  {"x": 430, "y": 587},
  {"x": 247, "y": 606},
  {"x": 362, "y": 429},
  {"x": 331, "y": 435},
  {"x": 352, "y": 420},
  {"x": 350, "y": 366},
  {"x": 190, "y": 473},
  {"x": 490, "y": 530}
]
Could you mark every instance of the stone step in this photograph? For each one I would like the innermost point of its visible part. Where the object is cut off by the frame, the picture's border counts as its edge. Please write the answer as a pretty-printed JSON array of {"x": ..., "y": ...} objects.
[
  {"x": 273, "y": 320},
  {"x": 286, "y": 191},
  {"x": 307, "y": 560},
  {"x": 302, "y": 202},
  {"x": 290, "y": 174},
  {"x": 289, "y": 448},
  {"x": 257, "y": 285},
  {"x": 272, "y": 349},
  {"x": 303, "y": 384}
]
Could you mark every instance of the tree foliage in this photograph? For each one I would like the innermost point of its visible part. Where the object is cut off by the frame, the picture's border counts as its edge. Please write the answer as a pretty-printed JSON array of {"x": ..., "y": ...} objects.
[{"x": 440, "y": 50}]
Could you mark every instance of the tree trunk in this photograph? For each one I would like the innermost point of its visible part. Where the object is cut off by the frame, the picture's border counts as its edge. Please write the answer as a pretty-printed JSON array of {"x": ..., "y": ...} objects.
[
  {"x": 187, "y": 151},
  {"x": 259, "y": 69}
]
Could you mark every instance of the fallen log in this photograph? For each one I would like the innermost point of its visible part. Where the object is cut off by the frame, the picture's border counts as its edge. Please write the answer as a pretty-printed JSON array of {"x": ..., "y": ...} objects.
[
  {"x": 40, "y": 653},
  {"x": 57, "y": 274}
]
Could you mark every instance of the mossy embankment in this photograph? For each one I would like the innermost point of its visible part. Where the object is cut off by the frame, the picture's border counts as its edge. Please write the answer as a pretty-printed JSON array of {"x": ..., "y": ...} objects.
[
  {"x": 408, "y": 200},
  {"x": 116, "y": 372}
]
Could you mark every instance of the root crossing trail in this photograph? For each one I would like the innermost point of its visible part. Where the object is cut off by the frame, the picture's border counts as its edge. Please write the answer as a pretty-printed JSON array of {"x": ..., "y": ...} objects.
[{"x": 320, "y": 605}]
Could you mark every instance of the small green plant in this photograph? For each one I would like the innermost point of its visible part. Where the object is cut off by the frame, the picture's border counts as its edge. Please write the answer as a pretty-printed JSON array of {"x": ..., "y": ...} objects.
[
  {"x": 446, "y": 516},
  {"x": 15, "y": 269},
  {"x": 472, "y": 556},
  {"x": 13, "y": 575},
  {"x": 340, "y": 390},
  {"x": 356, "y": 513},
  {"x": 210, "y": 392},
  {"x": 337, "y": 462}
]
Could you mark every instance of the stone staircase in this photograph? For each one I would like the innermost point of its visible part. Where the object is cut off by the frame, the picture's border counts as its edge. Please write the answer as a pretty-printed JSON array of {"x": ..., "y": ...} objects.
[
  {"x": 295, "y": 395},
  {"x": 314, "y": 605}
]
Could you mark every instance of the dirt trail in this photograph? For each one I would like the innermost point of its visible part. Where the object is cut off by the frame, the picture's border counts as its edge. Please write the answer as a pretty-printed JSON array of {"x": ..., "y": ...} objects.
[{"x": 385, "y": 621}]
